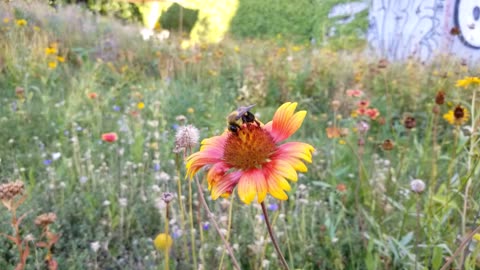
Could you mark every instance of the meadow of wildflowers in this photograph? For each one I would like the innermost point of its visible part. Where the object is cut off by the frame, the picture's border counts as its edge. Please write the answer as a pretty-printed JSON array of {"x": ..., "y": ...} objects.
[{"x": 115, "y": 153}]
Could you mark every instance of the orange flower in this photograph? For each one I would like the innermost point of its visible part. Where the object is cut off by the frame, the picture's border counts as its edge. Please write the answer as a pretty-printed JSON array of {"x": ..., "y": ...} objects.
[
  {"x": 354, "y": 93},
  {"x": 92, "y": 95},
  {"x": 372, "y": 113},
  {"x": 363, "y": 104},
  {"x": 253, "y": 158},
  {"x": 341, "y": 187},
  {"x": 109, "y": 137}
]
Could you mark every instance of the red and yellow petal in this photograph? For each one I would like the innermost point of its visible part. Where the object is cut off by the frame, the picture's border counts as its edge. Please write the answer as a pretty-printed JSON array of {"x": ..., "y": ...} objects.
[
  {"x": 276, "y": 184},
  {"x": 296, "y": 150},
  {"x": 225, "y": 185},
  {"x": 285, "y": 122},
  {"x": 210, "y": 153},
  {"x": 252, "y": 184},
  {"x": 276, "y": 190},
  {"x": 215, "y": 141},
  {"x": 285, "y": 170},
  {"x": 216, "y": 173}
]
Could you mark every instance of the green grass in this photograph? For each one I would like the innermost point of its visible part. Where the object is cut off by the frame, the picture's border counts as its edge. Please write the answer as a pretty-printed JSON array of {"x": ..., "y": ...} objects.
[{"x": 109, "y": 192}]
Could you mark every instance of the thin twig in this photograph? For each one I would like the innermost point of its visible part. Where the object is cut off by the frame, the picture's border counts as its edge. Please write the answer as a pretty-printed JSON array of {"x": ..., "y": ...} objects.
[
  {"x": 272, "y": 236},
  {"x": 460, "y": 248},
  {"x": 212, "y": 220}
]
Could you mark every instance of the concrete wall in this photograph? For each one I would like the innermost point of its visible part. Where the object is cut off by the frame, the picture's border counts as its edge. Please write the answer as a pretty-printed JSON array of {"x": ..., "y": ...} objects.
[{"x": 422, "y": 28}]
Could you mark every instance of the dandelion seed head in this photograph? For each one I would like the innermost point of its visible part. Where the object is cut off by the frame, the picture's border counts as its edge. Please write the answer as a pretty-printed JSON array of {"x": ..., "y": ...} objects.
[
  {"x": 417, "y": 186},
  {"x": 186, "y": 137}
]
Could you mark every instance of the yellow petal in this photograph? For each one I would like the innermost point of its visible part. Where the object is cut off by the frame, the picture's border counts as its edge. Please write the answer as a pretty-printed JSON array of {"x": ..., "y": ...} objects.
[
  {"x": 246, "y": 189},
  {"x": 276, "y": 190},
  {"x": 286, "y": 170}
]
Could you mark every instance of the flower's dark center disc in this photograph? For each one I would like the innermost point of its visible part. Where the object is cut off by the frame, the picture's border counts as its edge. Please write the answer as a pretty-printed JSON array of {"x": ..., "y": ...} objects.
[
  {"x": 249, "y": 147},
  {"x": 458, "y": 112}
]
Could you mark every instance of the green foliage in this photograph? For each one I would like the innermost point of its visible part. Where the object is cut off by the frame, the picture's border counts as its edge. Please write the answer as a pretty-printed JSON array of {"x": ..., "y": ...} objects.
[
  {"x": 296, "y": 20},
  {"x": 267, "y": 19},
  {"x": 119, "y": 9},
  {"x": 300, "y": 21},
  {"x": 171, "y": 19}
]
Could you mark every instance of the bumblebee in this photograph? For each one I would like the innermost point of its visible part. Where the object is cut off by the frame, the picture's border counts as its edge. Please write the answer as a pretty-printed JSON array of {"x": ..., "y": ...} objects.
[{"x": 241, "y": 116}]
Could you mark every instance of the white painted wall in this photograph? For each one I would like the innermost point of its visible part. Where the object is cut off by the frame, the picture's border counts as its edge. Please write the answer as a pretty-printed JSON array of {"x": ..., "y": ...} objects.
[{"x": 399, "y": 29}]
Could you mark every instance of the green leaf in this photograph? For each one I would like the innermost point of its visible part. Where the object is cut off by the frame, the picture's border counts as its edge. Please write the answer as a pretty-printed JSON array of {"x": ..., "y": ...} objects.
[{"x": 437, "y": 258}]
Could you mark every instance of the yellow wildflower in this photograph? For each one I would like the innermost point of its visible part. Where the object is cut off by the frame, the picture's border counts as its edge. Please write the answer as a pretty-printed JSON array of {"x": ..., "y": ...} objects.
[
  {"x": 296, "y": 48},
  {"x": 190, "y": 110},
  {"x": 52, "y": 64},
  {"x": 141, "y": 105},
  {"x": 458, "y": 116},
  {"x": 60, "y": 59},
  {"x": 477, "y": 237},
  {"x": 342, "y": 142},
  {"x": 50, "y": 50},
  {"x": 467, "y": 81},
  {"x": 21, "y": 22},
  {"x": 6, "y": 20}
]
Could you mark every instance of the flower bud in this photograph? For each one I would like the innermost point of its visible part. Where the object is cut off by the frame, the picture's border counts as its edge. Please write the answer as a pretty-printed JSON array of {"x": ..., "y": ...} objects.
[
  {"x": 163, "y": 242},
  {"x": 167, "y": 197}
]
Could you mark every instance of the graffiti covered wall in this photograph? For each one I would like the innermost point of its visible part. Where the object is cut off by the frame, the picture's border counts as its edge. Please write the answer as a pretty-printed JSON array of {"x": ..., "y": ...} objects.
[{"x": 399, "y": 29}]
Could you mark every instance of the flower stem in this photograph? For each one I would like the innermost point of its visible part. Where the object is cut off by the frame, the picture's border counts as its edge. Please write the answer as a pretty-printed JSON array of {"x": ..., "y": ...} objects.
[
  {"x": 192, "y": 231},
  {"x": 452, "y": 165},
  {"x": 272, "y": 237},
  {"x": 465, "y": 241},
  {"x": 212, "y": 220},
  {"x": 182, "y": 209},
  {"x": 417, "y": 231},
  {"x": 167, "y": 233}
]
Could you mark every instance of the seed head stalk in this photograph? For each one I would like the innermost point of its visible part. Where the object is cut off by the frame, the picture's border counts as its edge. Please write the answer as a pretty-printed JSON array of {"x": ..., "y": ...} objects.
[
  {"x": 202, "y": 239},
  {"x": 192, "y": 229},
  {"x": 167, "y": 250},
  {"x": 417, "y": 231},
  {"x": 273, "y": 238},
  {"x": 211, "y": 217},
  {"x": 180, "y": 203},
  {"x": 190, "y": 214},
  {"x": 452, "y": 166}
]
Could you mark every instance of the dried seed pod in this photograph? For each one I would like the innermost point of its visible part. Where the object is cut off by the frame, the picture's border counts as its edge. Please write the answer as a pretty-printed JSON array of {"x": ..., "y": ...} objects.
[{"x": 9, "y": 190}]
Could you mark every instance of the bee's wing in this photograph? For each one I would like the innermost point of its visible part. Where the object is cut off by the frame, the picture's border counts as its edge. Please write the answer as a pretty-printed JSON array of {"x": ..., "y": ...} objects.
[{"x": 243, "y": 109}]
